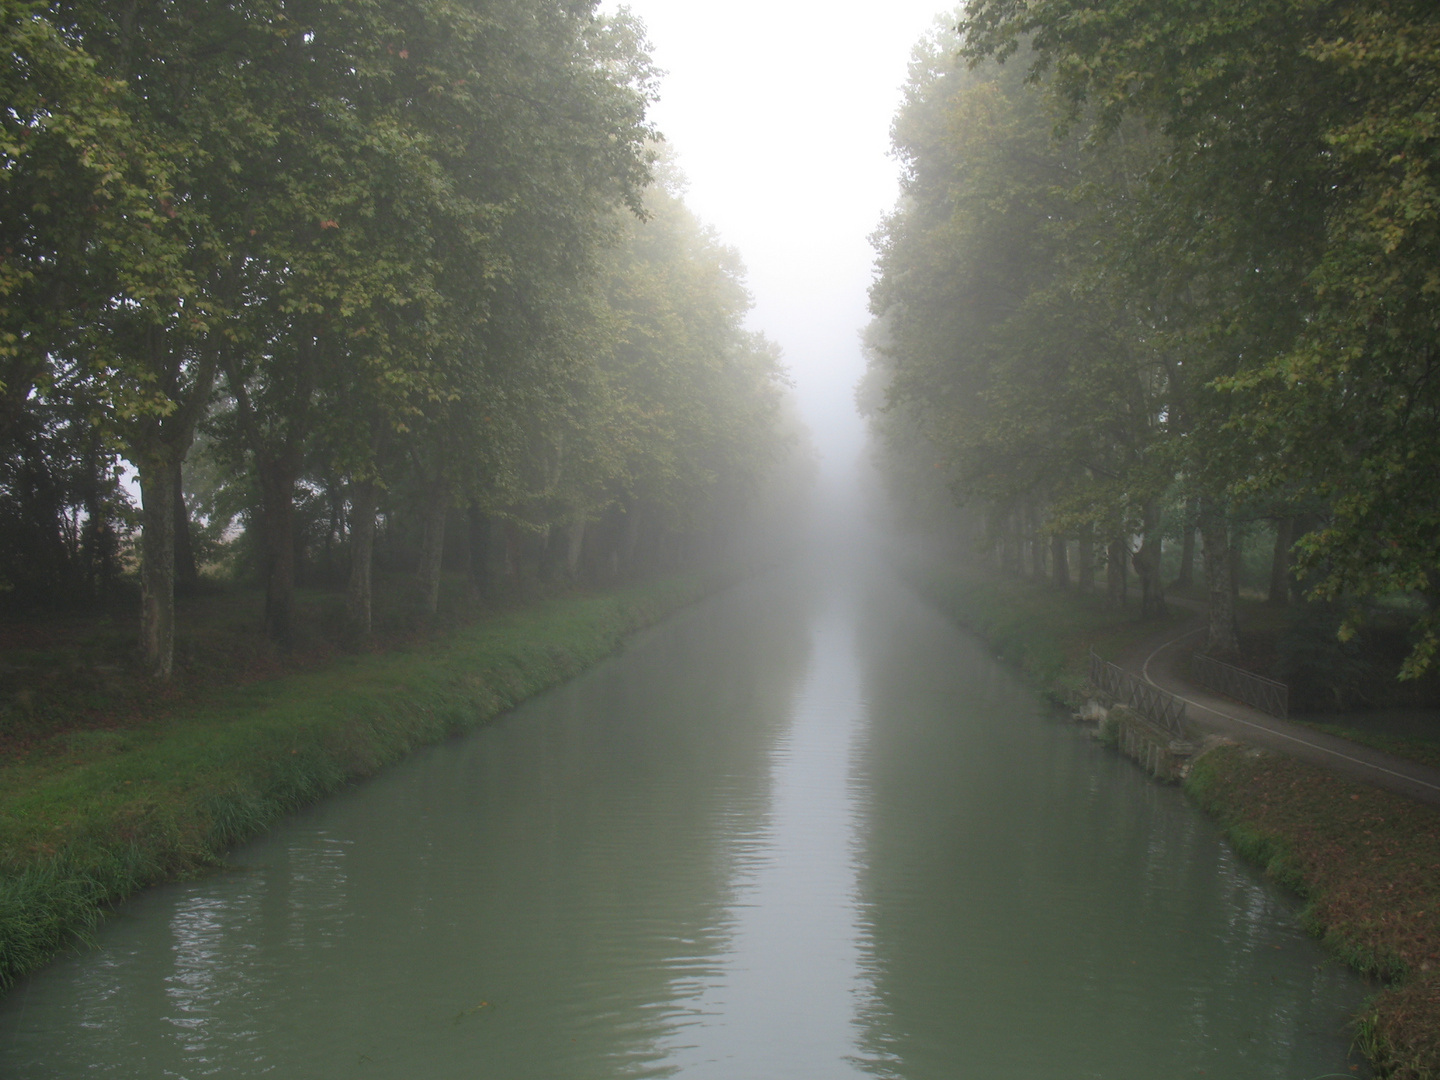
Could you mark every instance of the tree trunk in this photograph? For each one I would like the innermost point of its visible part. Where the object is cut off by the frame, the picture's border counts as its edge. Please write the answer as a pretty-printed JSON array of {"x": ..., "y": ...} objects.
[
  {"x": 187, "y": 574},
  {"x": 1301, "y": 526},
  {"x": 1116, "y": 584},
  {"x": 1059, "y": 563},
  {"x": 335, "y": 499},
  {"x": 277, "y": 497},
  {"x": 1221, "y": 640},
  {"x": 555, "y": 553},
  {"x": 359, "y": 595},
  {"x": 158, "y": 449},
  {"x": 1147, "y": 565},
  {"x": 157, "y": 565},
  {"x": 477, "y": 564},
  {"x": 1280, "y": 563},
  {"x": 1085, "y": 571},
  {"x": 629, "y": 542},
  {"x": 1010, "y": 559},
  {"x": 512, "y": 554},
  {"x": 1037, "y": 546},
  {"x": 1186, "y": 576},
  {"x": 576, "y": 546},
  {"x": 432, "y": 548}
]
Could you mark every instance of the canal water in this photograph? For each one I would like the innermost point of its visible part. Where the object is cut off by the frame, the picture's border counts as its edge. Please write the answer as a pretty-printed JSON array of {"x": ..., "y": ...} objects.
[{"x": 806, "y": 829}]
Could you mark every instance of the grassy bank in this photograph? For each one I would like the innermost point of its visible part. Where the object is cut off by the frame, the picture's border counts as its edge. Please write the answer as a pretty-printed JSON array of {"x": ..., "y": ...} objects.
[
  {"x": 1367, "y": 862},
  {"x": 1368, "y": 865},
  {"x": 91, "y": 813}
]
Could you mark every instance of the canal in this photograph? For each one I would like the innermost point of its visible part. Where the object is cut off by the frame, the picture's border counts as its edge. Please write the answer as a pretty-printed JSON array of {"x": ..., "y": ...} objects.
[{"x": 806, "y": 829}]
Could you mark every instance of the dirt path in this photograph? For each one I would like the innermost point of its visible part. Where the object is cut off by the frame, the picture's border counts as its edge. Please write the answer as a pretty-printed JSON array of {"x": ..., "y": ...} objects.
[{"x": 1160, "y": 661}]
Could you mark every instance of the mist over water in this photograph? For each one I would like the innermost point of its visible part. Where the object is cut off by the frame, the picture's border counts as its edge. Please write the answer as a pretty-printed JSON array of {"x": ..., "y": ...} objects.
[{"x": 805, "y": 829}]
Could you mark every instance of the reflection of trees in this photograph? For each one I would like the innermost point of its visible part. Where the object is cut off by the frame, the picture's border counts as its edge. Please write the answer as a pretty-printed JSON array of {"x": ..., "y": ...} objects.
[
  {"x": 570, "y": 866},
  {"x": 1035, "y": 908}
]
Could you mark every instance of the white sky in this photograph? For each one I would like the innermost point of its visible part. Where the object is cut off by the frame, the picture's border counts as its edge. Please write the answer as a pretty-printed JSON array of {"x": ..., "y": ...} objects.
[{"x": 779, "y": 111}]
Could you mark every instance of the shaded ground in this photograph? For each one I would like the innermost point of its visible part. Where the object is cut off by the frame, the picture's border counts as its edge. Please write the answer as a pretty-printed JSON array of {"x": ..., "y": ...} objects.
[{"x": 67, "y": 674}]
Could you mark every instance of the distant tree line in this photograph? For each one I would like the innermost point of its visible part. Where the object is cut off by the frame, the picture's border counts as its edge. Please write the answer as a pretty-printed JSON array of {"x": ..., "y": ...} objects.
[
  {"x": 1162, "y": 266},
  {"x": 328, "y": 264}
]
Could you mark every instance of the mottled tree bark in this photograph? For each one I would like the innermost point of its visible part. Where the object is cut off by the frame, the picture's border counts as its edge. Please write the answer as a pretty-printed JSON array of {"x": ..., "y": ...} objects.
[
  {"x": 432, "y": 548},
  {"x": 1117, "y": 555},
  {"x": 157, "y": 449},
  {"x": 1059, "y": 563},
  {"x": 512, "y": 552},
  {"x": 187, "y": 574},
  {"x": 1220, "y": 640},
  {"x": 277, "y": 500},
  {"x": 1085, "y": 571},
  {"x": 576, "y": 546},
  {"x": 1037, "y": 543},
  {"x": 1013, "y": 550},
  {"x": 477, "y": 563},
  {"x": 1186, "y": 575},
  {"x": 629, "y": 542},
  {"x": 279, "y": 453},
  {"x": 1147, "y": 565},
  {"x": 1279, "y": 594},
  {"x": 157, "y": 565},
  {"x": 359, "y": 593}
]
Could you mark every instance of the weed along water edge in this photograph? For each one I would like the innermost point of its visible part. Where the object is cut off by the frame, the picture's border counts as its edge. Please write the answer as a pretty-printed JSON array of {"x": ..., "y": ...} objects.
[{"x": 803, "y": 828}]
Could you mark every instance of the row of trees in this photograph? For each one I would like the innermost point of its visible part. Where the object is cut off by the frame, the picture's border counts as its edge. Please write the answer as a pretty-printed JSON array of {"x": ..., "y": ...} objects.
[
  {"x": 409, "y": 253},
  {"x": 1153, "y": 257}
]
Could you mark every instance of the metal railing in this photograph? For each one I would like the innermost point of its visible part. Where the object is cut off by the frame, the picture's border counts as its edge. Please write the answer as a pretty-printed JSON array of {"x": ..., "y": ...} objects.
[
  {"x": 1151, "y": 702},
  {"x": 1267, "y": 695}
]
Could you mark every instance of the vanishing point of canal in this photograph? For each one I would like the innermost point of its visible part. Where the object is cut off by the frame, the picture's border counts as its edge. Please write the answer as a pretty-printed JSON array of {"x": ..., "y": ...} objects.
[{"x": 806, "y": 829}]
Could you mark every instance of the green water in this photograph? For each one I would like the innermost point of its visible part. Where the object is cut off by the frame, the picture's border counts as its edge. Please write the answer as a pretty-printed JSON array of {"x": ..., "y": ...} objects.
[{"x": 804, "y": 830}]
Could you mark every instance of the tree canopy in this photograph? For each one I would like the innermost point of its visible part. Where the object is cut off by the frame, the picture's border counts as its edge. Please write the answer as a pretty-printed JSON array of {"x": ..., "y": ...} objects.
[
  {"x": 391, "y": 259},
  {"x": 1161, "y": 260}
]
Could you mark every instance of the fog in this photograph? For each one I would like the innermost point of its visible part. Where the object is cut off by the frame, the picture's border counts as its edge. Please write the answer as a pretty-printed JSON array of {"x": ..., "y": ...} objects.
[{"x": 779, "y": 114}]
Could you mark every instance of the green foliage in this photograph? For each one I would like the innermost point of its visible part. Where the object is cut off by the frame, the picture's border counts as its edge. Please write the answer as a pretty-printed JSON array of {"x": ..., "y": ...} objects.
[
  {"x": 393, "y": 249},
  {"x": 1153, "y": 253}
]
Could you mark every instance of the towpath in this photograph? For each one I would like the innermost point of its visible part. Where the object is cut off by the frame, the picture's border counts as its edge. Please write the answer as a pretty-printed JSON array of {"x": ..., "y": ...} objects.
[{"x": 1160, "y": 661}]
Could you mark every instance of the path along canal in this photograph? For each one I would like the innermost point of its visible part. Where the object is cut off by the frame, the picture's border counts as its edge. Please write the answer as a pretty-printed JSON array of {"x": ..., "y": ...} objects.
[{"x": 806, "y": 829}]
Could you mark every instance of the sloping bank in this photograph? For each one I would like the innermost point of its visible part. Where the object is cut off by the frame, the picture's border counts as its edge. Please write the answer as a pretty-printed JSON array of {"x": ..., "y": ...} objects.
[
  {"x": 1366, "y": 862},
  {"x": 117, "y": 811}
]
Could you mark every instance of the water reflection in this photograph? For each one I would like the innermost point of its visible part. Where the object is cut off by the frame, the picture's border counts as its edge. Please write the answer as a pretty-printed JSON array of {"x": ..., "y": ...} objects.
[
  {"x": 783, "y": 1001},
  {"x": 1033, "y": 911},
  {"x": 803, "y": 831}
]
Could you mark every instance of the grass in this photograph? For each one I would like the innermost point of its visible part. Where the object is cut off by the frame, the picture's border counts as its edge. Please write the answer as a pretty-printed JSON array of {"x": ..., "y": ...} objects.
[
  {"x": 1367, "y": 861},
  {"x": 91, "y": 812},
  {"x": 80, "y": 671}
]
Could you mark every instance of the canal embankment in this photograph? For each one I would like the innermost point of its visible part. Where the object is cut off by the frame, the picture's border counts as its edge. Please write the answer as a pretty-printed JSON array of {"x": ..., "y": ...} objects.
[
  {"x": 91, "y": 814},
  {"x": 1365, "y": 861}
]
